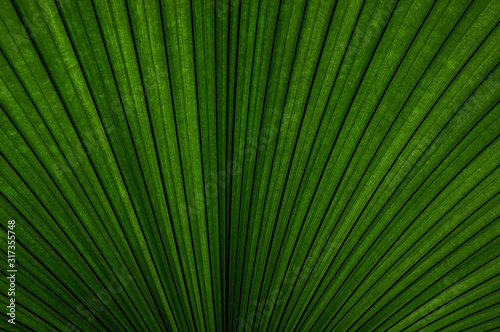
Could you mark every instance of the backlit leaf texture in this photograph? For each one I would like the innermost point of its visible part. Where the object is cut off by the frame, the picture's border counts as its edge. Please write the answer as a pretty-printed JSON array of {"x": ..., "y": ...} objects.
[{"x": 251, "y": 165}]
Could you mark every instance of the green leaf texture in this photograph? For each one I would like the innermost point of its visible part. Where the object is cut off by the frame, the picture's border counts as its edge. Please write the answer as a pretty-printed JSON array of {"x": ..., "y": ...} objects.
[{"x": 251, "y": 165}]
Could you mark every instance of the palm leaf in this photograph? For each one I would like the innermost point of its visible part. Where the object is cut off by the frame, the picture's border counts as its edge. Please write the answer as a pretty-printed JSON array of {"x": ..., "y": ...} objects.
[{"x": 260, "y": 165}]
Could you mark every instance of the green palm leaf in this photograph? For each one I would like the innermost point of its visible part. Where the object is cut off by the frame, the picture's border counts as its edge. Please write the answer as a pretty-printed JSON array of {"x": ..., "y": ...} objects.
[{"x": 295, "y": 165}]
